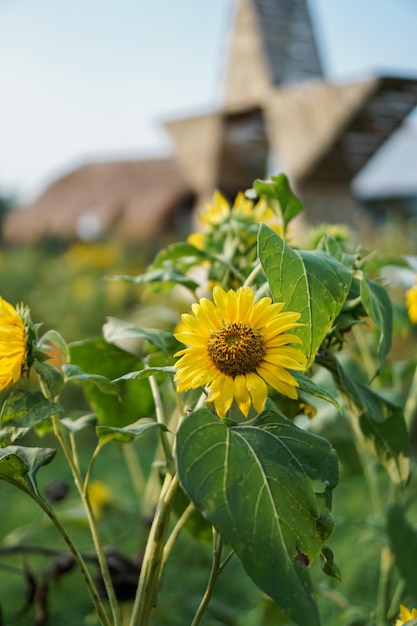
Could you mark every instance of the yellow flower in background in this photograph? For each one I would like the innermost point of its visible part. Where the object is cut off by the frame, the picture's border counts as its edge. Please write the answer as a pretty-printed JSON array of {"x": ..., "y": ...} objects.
[
  {"x": 12, "y": 344},
  {"x": 100, "y": 496},
  {"x": 243, "y": 210},
  {"x": 405, "y": 615},
  {"x": 237, "y": 347},
  {"x": 411, "y": 302}
]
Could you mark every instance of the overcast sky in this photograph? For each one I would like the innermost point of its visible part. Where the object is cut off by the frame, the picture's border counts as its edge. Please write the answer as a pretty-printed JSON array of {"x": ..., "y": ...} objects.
[{"x": 94, "y": 79}]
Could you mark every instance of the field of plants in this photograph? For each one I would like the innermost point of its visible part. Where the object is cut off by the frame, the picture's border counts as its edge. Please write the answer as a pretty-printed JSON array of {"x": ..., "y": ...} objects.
[{"x": 224, "y": 434}]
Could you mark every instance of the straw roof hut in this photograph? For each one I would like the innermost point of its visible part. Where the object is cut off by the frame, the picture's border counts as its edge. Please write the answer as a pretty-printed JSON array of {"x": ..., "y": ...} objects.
[
  {"x": 137, "y": 201},
  {"x": 279, "y": 114}
]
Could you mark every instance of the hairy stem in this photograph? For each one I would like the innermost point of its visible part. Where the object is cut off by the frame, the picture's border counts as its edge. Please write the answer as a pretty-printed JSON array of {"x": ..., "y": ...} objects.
[
  {"x": 214, "y": 573},
  {"x": 83, "y": 491},
  {"x": 152, "y": 560}
]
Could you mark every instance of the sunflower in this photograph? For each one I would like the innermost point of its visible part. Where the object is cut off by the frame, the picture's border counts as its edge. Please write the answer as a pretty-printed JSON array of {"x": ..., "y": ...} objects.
[
  {"x": 12, "y": 344},
  {"x": 405, "y": 615},
  {"x": 237, "y": 346},
  {"x": 411, "y": 301}
]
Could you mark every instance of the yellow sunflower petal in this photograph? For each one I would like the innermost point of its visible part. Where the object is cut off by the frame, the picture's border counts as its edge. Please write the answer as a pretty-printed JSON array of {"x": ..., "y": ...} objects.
[
  {"x": 221, "y": 393},
  {"x": 257, "y": 389},
  {"x": 241, "y": 394}
]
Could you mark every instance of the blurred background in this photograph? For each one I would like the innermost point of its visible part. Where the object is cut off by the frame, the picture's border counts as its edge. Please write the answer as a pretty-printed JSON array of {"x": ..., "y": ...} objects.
[{"x": 118, "y": 119}]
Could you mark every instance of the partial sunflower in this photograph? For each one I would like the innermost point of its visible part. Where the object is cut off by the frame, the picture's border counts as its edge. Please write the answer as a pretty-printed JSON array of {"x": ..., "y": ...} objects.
[
  {"x": 405, "y": 615},
  {"x": 237, "y": 346},
  {"x": 13, "y": 336},
  {"x": 411, "y": 302}
]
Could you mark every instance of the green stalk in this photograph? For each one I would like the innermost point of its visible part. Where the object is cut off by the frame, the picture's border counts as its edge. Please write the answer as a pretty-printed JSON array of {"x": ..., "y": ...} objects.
[
  {"x": 78, "y": 559},
  {"x": 160, "y": 417},
  {"x": 214, "y": 573},
  {"x": 411, "y": 403},
  {"x": 82, "y": 489},
  {"x": 181, "y": 522},
  {"x": 152, "y": 560}
]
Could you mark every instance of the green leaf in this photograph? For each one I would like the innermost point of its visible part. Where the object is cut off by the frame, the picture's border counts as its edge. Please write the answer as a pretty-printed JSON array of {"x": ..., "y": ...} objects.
[
  {"x": 97, "y": 356},
  {"x": 81, "y": 423},
  {"x": 328, "y": 565},
  {"x": 309, "y": 386},
  {"x": 76, "y": 374},
  {"x": 255, "y": 483},
  {"x": 127, "y": 433},
  {"x": 145, "y": 373},
  {"x": 182, "y": 251},
  {"x": 403, "y": 539},
  {"x": 311, "y": 283},
  {"x": 19, "y": 465},
  {"x": 379, "y": 308},
  {"x": 114, "y": 330},
  {"x": 23, "y": 410},
  {"x": 53, "y": 337},
  {"x": 379, "y": 424},
  {"x": 279, "y": 195},
  {"x": 169, "y": 278},
  {"x": 51, "y": 378}
]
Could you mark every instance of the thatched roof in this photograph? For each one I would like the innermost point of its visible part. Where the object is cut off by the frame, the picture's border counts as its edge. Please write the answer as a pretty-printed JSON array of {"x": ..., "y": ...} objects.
[{"x": 135, "y": 200}]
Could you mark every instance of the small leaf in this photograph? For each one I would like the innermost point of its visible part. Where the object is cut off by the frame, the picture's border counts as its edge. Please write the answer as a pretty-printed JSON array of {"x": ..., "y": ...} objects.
[
  {"x": 180, "y": 251},
  {"x": 278, "y": 194},
  {"x": 116, "y": 329},
  {"x": 145, "y": 373},
  {"x": 51, "y": 378},
  {"x": 379, "y": 308},
  {"x": 53, "y": 337},
  {"x": 127, "y": 433},
  {"x": 76, "y": 374},
  {"x": 313, "y": 284},
  {"x": 169, "y": 278},
  {"x": 328, "y": 565},
  {"x": 75, "y": 426},
  {"x": 23, "y": 410},
  {"x": 309, "y": 386},
  {"x": 379, "y": 424},
  {"x": 19, "y": 465},
  {"x": 255, "y": 483}
]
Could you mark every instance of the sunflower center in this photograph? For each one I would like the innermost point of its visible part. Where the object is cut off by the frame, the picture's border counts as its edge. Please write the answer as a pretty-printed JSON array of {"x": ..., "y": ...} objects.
[{"x": 236, "y": 348}]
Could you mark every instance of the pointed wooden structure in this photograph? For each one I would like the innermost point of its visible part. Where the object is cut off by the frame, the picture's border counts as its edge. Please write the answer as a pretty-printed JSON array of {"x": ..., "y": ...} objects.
[{"x": 280, "y": 114}]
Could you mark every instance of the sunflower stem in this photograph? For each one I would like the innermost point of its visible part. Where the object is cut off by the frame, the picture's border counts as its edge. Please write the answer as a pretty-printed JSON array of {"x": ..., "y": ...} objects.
[
  {"x": 78, "y": 559},
  {"x": 83, "y": 491},
  {"x": 214, "y": 573},
  {"x": 153, "y": 557}
]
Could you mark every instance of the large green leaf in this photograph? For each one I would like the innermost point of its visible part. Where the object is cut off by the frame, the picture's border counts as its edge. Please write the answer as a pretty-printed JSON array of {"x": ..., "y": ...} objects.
[
  {"x": 256, "y": 483},
  {"x": 312, "y": 283},
  {"x": 403, "y": 539},
  {"x": 379, "y": 308},
  {"x": 19, "y": 465},
  {"x": 23, "y": 410},
  {"x": 379, "y": 424},
  {"x": 279, "y": 196}
]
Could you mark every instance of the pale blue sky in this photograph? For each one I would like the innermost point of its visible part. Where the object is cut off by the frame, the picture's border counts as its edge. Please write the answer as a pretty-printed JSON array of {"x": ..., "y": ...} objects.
[{"x": 91, "y": 79}]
